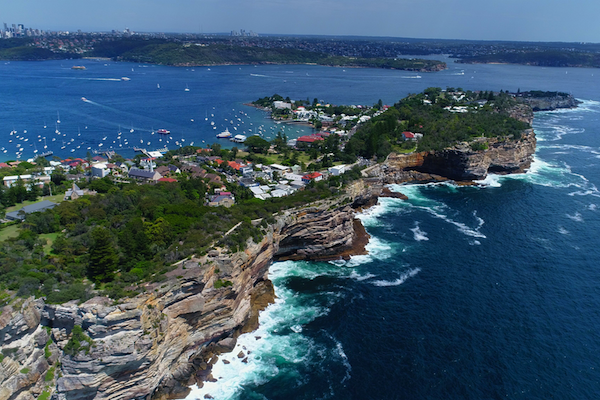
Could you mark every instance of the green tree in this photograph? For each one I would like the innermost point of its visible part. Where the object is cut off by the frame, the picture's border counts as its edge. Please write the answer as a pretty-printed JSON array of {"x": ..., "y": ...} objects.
[
  {"x": 216, "y": 149},
  {"x": 256, "y": 144},
  {"x": 103, "y": 257}
]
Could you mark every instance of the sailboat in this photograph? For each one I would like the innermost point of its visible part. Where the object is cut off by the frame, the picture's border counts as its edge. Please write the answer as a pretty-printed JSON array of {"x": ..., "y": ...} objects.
[
  {"x": 57, "y": 118},
  {"x": 158, "y": 85},
  {"x": 131, "y": 130},
  {"x": 187, "y": 89}
]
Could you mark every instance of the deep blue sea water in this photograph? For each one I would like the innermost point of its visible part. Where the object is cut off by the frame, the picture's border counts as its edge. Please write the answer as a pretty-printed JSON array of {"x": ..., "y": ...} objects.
[{"x": 467, "y": 293}]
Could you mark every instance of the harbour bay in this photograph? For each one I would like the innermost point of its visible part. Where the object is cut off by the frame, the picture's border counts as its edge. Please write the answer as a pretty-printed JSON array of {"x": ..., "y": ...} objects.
[{"x": 475, "y": 293}]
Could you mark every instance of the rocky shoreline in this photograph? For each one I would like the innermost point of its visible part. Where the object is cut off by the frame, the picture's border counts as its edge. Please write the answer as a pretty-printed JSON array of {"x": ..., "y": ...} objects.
[{"x": 156, "y": 345}]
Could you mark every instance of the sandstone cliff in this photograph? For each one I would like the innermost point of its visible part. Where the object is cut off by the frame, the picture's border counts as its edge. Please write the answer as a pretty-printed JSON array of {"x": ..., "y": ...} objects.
[
  {"x": 550, "y": 103},
  {"x": 158, "y": 343}
]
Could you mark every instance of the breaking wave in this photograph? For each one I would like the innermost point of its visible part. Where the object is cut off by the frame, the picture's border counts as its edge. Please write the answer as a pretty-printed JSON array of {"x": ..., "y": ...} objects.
[{"x": 401, "y": 279}]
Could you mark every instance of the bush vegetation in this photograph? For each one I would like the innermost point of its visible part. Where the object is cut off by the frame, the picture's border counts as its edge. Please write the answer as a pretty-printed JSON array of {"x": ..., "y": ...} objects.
[{"x": 429, "y": 113}]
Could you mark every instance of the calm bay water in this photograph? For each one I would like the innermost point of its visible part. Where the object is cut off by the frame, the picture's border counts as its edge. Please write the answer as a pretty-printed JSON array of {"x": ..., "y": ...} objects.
[{"x": 467, "y": 293}]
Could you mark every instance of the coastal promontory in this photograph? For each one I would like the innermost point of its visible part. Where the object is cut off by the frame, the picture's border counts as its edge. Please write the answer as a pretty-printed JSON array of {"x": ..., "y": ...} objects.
[{"x": 143, "y": 285}]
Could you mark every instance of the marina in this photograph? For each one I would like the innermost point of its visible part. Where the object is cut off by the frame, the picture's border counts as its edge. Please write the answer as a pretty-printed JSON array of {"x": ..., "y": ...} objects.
[{"x": 91, "y": 111}]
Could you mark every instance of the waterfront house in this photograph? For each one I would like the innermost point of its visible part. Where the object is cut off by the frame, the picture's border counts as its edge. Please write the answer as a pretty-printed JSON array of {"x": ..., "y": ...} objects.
[{"x": 100, "y": 170}]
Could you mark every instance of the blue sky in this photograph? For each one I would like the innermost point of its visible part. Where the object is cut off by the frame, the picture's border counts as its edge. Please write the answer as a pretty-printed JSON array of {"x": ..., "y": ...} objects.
[{"x": 528, "y": 20}]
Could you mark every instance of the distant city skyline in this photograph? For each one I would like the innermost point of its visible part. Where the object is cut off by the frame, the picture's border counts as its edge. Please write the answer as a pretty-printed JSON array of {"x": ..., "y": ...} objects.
[{"x": 533, "y": 20}]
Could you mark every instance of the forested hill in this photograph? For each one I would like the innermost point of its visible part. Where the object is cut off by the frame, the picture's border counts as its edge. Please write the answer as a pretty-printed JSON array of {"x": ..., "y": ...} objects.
[
  {"x": 190, "y": 54},
  {"x": 22, "y": 50},
  {"x": 442, "y": 119},
  {"x": 544, "y": 58}
]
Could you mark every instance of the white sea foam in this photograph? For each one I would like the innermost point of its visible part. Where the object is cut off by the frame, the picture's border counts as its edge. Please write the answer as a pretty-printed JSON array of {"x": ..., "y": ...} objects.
[
  {"x": 278, "y": 342},
  {"x": 592, "y": 207},
  {"x": 463, "y": 228},
  {"x": 377, "y": 249},
  {"x": 491, "y": 180},
  {"x": 575, "y": 217},
  {"x": 358, "y": 277},
  {"x": 403, "y": 277},
  {"x": 418, "y": 234},
  {"x": 437, "y": 209},
  {"x": 339, "y": 349},
  {"x": 563, "y": 231},
  {"x": 371, "y": 216}
]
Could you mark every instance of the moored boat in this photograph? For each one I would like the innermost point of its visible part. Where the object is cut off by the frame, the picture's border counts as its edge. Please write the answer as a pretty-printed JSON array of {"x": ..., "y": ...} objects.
[{"x": 224, "y": 134}]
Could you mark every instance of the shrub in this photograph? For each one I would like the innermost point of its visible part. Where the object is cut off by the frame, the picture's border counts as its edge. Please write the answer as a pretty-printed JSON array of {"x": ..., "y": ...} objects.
[
  {"x": 220, "y": 283},
  {"x": 49, "y": 375},
  {"x": 77, "y": 342},
  {"x": 47, "y": 352}
]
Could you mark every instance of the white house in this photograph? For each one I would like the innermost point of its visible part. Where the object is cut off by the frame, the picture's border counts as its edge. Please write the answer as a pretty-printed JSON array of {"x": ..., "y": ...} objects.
[
  {"x": 100, "y": 170},
  {"x": 282, "y": 104},
  {"x": 337, "y": 170}
]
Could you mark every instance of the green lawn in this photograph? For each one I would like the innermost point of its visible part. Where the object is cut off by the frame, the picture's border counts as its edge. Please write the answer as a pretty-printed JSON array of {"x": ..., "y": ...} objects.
[
  {"x": 50, "y": 238},
  {"x": 13, "y": 231},
  {"x": 9, "y": 232},
  {"x": 57, "y": 198}
]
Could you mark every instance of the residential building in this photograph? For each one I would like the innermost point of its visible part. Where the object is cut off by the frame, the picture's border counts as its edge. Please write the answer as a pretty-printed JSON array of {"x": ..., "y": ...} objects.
[
  {"x": 225, "y": 200},
  {"x": 100, "y": 170},
  {"x": 144, "y": 175},
  {"x": 36, "y": 207},
  {"x": 39, "y": 180},
  {"x": 337, "y": 170},
  {"x": 408, "y": 136},
  {"x": 313, "y": 176}
]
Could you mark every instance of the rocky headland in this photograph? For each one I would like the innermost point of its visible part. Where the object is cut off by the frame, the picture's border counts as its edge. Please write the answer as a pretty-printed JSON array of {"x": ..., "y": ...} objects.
[
  {"x": 550, "y": 102},
  {"x": 155, "y": 345}
]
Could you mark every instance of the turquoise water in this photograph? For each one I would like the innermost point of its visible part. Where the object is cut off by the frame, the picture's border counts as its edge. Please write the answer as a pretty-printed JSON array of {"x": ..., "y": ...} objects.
[{"x": 467, "y": 293}]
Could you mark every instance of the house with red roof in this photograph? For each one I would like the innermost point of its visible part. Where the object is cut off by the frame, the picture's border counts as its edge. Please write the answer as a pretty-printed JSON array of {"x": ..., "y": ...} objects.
[
  {"x": 309, "y": 139},
  {"x": 408, "y": 136},
  {"x": 171, "y": 180},
  {"x": 313, "y": 176}
]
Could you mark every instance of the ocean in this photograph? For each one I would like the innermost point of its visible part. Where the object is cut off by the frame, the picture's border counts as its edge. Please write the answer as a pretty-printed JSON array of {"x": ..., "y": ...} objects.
[{"x": 482, "y": 292}]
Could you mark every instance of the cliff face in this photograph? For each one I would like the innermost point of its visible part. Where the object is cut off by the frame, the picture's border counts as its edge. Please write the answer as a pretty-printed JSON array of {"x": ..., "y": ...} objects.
[
  {"x": 143, "y": 346},
  {"x": 550, "y": 103},
  {"x": 462, "y": 164},
  {"x": 459, "y": 163},
  {"x": 321, "y": 234},
  {"x": 158, "y": 343}
]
